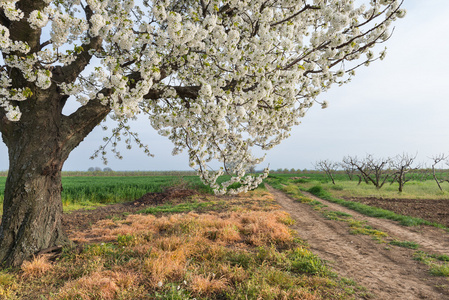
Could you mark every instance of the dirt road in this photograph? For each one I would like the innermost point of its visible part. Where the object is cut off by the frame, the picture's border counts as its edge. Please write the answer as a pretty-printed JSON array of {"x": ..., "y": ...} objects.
[{"x": 388, "y": 272}]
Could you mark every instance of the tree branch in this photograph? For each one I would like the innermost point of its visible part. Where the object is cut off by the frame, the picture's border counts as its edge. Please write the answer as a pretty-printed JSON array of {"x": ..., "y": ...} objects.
[
  {"x": 3, "y": 19},
  {"x": 5, "y": 124},
  {"x": 43, "y": 45},
  {"x": 21, "y": 30},
  {"x": 79, "y": 124},
  {"x": 189, "y": 92},
  {"x": 307, "y": 7},
  {"x": 71, "y": 72}
]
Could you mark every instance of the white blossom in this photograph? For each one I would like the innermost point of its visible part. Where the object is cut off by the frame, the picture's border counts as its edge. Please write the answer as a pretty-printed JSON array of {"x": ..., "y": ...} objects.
[
  {"x": 97, "y": 22},
  {"x": 13, "y": 113},
  {"x": 4, "y": 37},
  {"x": 37, "y": 19}
]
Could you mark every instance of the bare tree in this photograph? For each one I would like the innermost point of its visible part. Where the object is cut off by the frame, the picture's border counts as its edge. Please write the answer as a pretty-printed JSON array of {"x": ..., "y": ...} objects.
[
  {"x": 436, "y": 160},
  {"x": 348, "y": 168},
  {"x": 402, "y": 164},
  {"x": 377, "y": 167},
  {"x": 371, "y": 169},
  {"x": 328, "y": 167},
  {"x": 352, "y": 162}
]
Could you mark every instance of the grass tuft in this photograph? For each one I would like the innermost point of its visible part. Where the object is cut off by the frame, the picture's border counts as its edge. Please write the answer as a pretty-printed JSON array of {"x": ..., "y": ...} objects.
[
  {"x": 405, "y": 244},
  {"x": 208, "y": 285},
  {"x": 304, "y": 261},
  {"x": 37, "y": 267},
  {"x": 438, "y": 263},
  {"x": 440, "y": 270},
  {"x": 107, "y": 285},
  {"x": 9, "y": 286}
]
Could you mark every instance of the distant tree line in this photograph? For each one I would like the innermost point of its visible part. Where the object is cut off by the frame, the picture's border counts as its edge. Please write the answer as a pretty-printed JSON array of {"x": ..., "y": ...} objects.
[
  {"x": 286, "y": 171},
  {"x": 97, "y": 169}
]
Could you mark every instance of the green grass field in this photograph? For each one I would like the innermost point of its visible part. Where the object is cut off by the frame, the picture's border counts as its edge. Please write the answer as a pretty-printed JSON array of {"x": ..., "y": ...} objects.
[
  {"x": 412, "y": 190},
  {"x": 101, "y": 189},
  {"x": 117, "y": 189},
  {"x": 344, "y": 187}
]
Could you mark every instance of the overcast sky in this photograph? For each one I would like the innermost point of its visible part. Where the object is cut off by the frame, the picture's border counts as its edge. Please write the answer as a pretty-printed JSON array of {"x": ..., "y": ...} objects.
[{"x": 396, "y": 105}]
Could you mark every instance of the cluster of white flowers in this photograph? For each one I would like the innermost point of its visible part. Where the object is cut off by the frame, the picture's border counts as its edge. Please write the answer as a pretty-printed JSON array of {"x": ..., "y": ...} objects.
[
  {"x": 97, "y": 23},
  {"x": 4, "y": 37},
  {"x": 217, "y": 79},
  {"x": 37, "y": 19},
  {"x": 10, "y": 10},
  {"x": 66, "y": 28}
]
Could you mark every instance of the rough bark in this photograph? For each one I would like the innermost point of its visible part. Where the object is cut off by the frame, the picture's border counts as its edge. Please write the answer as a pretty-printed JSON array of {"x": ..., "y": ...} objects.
[
  {"x": 32, "y": 208},
  {"x": 38, "y": 146}
]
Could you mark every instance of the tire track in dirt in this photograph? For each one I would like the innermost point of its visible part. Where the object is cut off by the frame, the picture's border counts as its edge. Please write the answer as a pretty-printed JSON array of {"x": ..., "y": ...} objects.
[
  {"x": 431, "y": 239},
  {"x": 387, "y": 272}
]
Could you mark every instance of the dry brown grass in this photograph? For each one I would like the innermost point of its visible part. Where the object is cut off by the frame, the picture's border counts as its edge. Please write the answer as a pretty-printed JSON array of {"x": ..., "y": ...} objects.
[
  {"x": 233, "y": 273},
  {"x": 98, "y": 285},
  {"x": 229, "y": 233},
  {"x": 262, "y": 228},
  {"x": 254, "y": 227},
  {"x": 208, "y": 285},
  {"x": 164, "y": 265},
  {"x": 169, "y": 242},
  {"x": 36, "y": 267},
  {"x": 105, "y": 285},
  {"x": 179, "y": 256}
]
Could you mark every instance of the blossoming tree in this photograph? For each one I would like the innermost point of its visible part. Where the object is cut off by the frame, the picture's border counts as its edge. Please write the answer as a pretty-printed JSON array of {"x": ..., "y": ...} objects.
[{"x": 217, "y": 77}]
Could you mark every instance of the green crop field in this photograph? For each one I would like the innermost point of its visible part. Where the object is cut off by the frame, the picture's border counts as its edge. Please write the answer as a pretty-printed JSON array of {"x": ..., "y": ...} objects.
[
  {"x": 117, "y": 189},
  {"x": 89, "y": 190}
]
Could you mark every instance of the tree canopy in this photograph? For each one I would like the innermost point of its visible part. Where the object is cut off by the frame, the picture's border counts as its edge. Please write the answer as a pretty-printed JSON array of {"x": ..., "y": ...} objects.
[{"x": 216, "y": 77}]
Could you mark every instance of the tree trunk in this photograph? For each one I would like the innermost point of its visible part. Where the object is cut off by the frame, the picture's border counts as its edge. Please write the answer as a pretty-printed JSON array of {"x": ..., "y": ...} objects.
[
  {"x": 32, "y": 208},
  {"x": 38, "y": 146},
  {"x": 332, "y": 178},
  {"x": 401, "y": 182},
  {"x": 435, "y": 178}
]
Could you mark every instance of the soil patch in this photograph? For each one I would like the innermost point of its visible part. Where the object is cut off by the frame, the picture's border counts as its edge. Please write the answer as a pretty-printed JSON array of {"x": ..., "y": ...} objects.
[
  {"x": 431, "y": 210},
  {"x": 81, "y": 220}
]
